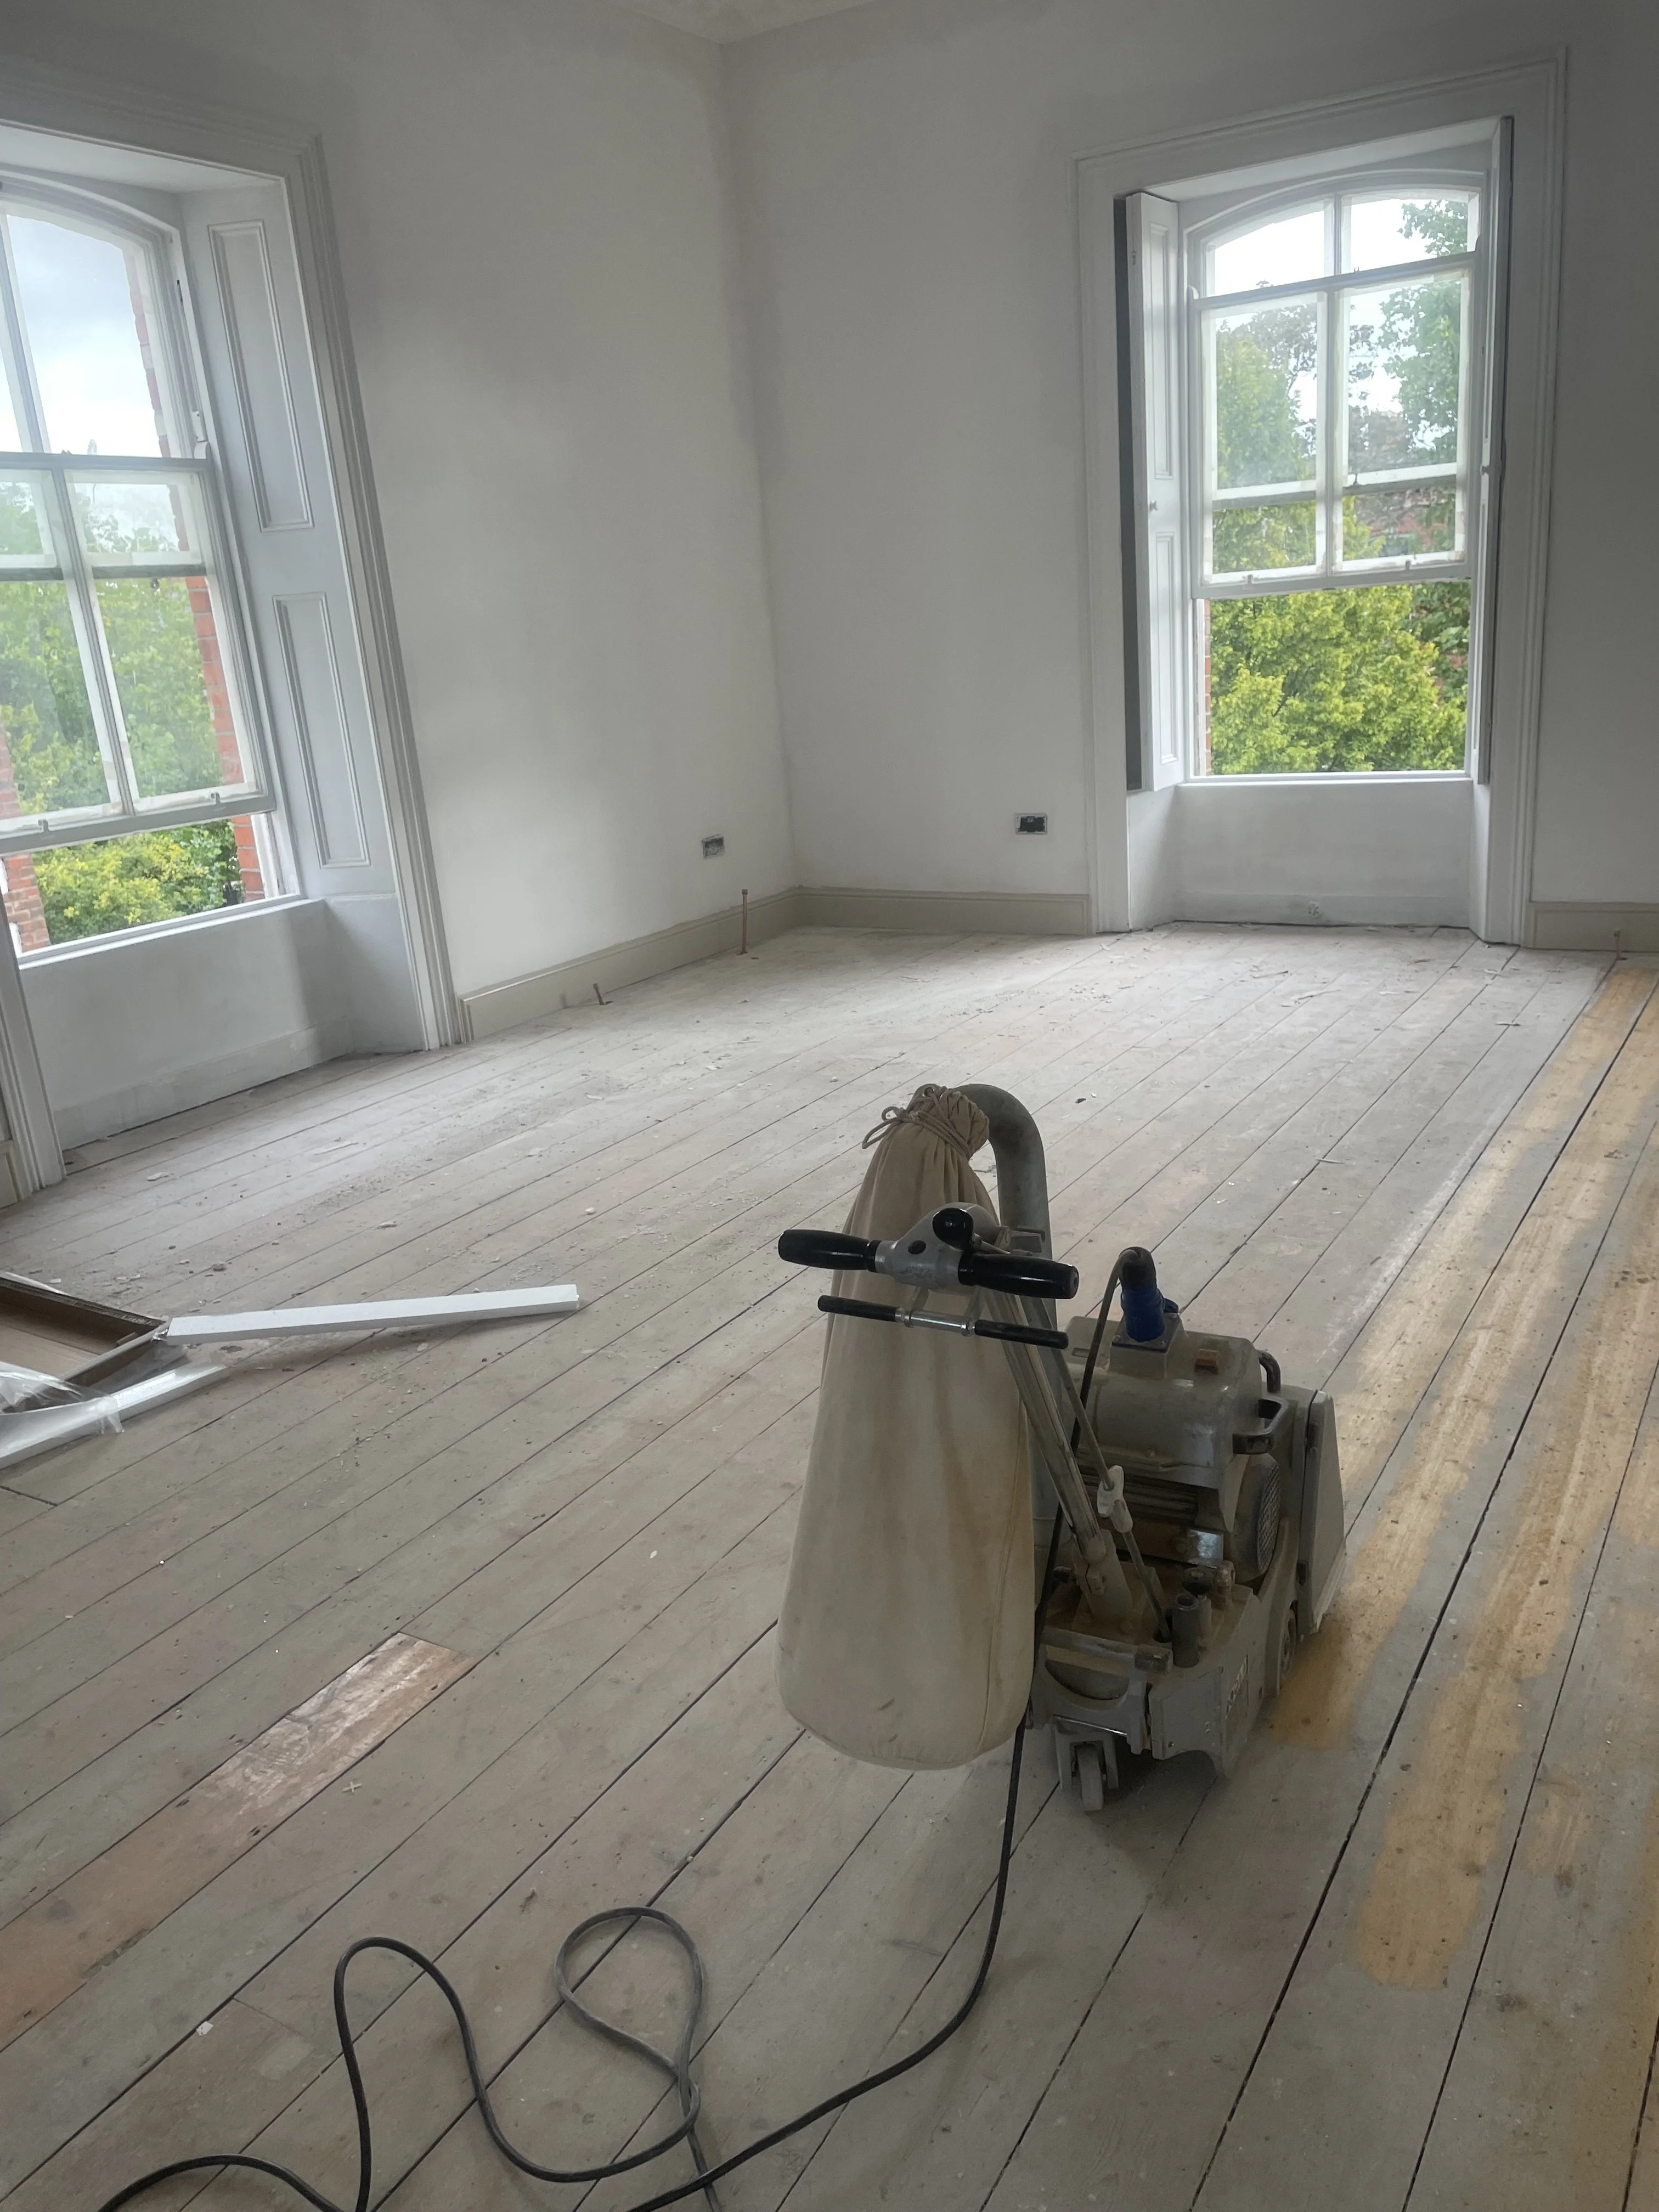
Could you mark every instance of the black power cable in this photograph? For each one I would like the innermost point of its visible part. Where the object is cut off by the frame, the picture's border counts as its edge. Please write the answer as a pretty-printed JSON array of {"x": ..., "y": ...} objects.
[{"x": 676, "y": 2067}]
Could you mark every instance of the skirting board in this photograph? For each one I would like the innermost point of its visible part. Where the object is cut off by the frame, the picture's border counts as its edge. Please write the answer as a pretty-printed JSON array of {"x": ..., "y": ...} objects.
[
  {"x": 1332, "y": 911},
  {"x": 946, "y": 913},
  {"x": 950, "y": 914},
  {"x": 528, "y": 998},
  {"x": 1591, "y": 926}
]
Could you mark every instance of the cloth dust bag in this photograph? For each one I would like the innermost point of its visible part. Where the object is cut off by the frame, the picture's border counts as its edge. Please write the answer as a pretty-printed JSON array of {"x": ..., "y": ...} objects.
[{"x": 905, "y": 1634}]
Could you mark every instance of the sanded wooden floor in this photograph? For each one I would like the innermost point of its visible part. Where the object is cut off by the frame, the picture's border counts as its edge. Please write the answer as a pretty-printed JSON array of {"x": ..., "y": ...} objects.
[{"x": 462, "y": 1639}]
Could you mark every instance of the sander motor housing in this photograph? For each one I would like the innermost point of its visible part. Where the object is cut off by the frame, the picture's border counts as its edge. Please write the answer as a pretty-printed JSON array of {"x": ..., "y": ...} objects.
[{"x": 1231, "y": 1479}]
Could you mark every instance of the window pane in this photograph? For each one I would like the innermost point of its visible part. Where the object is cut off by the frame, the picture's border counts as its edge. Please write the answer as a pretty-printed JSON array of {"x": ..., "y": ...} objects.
[
  {"x": 12, "y": 439},
  {"x": 164, "y": 649},
  {"x": 1287, "y": 251},
  {"x": 126, "y": 521},
  {"x": 1400, "y": 522},
  {"x": 1388, "y": 229},
  {"x": 1267, "y": 395},
  {"x": 1405, "y": 355},
  {"x": 25, "y": 534},
  {"x": 49, "y": 756},
  {"x": 90, "y": 329},
  {"x": 67, "y": 892},
  {"x": 1248, "y": 539},
  {"x": 1322, "y": 681}
]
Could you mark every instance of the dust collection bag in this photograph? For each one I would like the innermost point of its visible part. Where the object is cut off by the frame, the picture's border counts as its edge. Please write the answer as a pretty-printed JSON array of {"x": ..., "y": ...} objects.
[{"x": 905, "y": 1633}]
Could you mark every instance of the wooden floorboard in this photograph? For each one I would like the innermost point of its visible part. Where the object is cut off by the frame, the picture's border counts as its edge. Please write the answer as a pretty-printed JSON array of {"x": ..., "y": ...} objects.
[{"x": 1408, "y": 1954}]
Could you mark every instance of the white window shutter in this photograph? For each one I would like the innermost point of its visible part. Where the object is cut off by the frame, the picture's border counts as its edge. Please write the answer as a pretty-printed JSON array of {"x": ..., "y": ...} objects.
[{"x": 1163, "y": 608}]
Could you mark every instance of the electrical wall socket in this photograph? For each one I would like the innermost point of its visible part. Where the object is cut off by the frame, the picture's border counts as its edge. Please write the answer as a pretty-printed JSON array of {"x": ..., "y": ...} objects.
[
  {"x": 712, "y": 848},
  {"x": 1033, "y": 825}
]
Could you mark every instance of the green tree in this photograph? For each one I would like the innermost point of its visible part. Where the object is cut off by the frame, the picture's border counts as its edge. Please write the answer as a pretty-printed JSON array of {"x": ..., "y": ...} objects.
[
  {"x": 153, "y": 647},
  {"x": 116, "y": 882},
  {"x": 46, "y": 719},
  {"x": 1310, "y": 680},
  {"x": 1261, "y": 355}
]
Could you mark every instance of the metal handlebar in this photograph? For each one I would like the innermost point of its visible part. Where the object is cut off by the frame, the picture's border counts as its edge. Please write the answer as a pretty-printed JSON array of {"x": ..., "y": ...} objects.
[
  {"x": 939, "y": 1253},
  {"x": 1005, "y": 1331}
]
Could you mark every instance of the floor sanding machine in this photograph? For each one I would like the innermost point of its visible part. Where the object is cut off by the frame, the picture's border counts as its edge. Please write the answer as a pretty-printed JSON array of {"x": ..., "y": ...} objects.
[
  {"x": 1119, "y": 1532},
  {"x": 1200, "y": 1524}
]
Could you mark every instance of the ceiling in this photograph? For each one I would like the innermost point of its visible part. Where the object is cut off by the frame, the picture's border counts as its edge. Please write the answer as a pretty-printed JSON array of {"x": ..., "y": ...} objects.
[{"x": 726, "y": 20}]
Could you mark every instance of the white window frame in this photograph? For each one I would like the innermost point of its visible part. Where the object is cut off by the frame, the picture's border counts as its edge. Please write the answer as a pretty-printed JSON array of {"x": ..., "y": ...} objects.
[
  {"x": 1518, "y": 108},
  {"x": 1333, "y": 480},
  {"x": 195, "y": 464}
]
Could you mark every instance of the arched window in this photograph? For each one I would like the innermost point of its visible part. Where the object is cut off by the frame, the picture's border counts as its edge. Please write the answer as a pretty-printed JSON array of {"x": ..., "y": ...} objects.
[
  {"x": 122, "y": 703},
  {"x": 1309, "y": 389}
]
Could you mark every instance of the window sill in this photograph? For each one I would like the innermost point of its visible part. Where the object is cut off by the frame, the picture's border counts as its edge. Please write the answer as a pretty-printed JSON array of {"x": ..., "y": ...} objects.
[
  {"x": 1322, "y": 780},
  {"x": 224, "y": 917}
]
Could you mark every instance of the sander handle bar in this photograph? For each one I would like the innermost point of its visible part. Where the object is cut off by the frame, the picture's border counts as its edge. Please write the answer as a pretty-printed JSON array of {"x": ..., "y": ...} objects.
[
  {"x": 943, "y": 1251},
  {"x": 1006, "y": 1332}
]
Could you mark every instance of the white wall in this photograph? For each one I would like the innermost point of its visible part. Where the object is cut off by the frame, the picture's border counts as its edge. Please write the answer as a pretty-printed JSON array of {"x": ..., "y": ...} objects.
[
  {"x": 907, "y": 172},
  {"x": 1296, "y": 849},
  {"x": 538, "y": 248},
  {"x": 152, "y": 1021}
]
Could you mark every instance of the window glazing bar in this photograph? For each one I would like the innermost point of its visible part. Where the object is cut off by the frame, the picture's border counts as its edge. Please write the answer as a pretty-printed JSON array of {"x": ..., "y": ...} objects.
[
  {"x": 30, "y": 835},
  {"x": 1346, "y": 280}
]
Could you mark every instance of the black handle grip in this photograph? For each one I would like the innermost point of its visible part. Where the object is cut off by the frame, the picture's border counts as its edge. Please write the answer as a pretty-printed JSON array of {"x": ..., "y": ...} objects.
[
  {"x": 861, "y": 1309},
  {"x": 1009, "y": 1331},
  {"x": 1021, "y": 1275},
  {"x": 827, "y": 1248}
]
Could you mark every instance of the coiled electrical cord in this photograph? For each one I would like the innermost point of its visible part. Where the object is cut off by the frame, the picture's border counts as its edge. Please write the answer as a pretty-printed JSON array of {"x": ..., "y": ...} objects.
[{"x": 676, "y": 2067}]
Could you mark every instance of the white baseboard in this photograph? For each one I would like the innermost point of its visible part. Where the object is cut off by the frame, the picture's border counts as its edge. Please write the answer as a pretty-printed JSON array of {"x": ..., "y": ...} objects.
[
  {"x": 1362, "y": 911},
  {"x": 503, "y": 1005},
  {"x": 950, "y": 914},
  {"x": 1592, "y": 926},
  {"x": 943, "y": 914}
]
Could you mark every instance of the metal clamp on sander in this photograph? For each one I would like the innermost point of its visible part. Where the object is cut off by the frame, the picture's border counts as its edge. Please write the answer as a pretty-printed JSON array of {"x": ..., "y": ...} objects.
[{"x": 951, "y": 1249}]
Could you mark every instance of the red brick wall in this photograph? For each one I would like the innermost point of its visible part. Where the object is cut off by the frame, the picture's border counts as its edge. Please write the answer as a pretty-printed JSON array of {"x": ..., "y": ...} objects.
[
  {"x": 22, "y": 894},
  {"x": 224, "y": 730}
]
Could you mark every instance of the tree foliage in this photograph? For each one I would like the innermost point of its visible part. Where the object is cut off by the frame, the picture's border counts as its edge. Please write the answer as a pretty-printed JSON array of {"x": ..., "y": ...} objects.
[
  {"x": 1369, "y": 677},
  {"x": 46, "y": 718},
  {"x": 1261, "y": 357},
  {"x": 116, "y": 882},
  {"x": 1376, "y": 678}
]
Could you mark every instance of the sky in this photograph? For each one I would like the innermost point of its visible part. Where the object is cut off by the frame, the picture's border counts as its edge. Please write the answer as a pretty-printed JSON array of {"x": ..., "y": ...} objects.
[{"x": 73, "y": 292}]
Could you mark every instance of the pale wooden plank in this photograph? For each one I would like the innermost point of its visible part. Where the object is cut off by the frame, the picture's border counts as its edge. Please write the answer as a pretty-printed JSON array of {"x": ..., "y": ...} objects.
[
  {"x": 78, "y": 1629},
  {"x": 85, "y": 1631},
  {"x": 17, "y": 1507},
  {"x": 1046, "y": 1024},
  {"x": 48, "y": 1951},
  {"x": 801, "y": 1820},
  {"x": 701, "y": 1770},
  {"x": 936, "y": 2140},
  {"x": 1379, "y": 1381},
  {"x": 567, "y": 1063},
  {"x": 103, "y": 1799},
  {"x": 614, "y": 1702},
  {"x": 1394, "y": 1947},
  {"x": 1381, "y": 1183},
  {"x": 1206, "y": 1964},
  {"x": 1544, "y": 2094},
  {"x": 43, "y": 1747}
]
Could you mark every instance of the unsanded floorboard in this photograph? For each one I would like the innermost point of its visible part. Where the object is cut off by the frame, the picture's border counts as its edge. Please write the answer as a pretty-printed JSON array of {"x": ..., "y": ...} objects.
[{"x": 1419, "y": 1168}]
